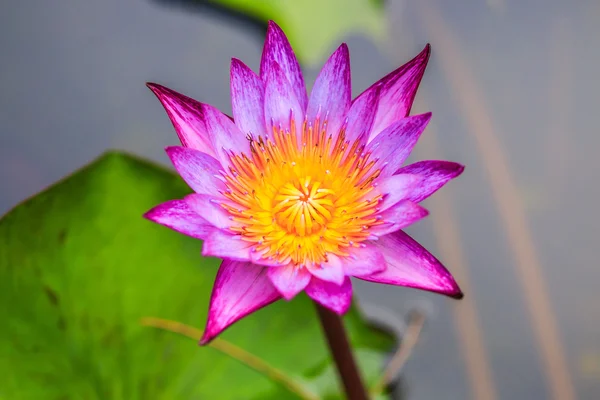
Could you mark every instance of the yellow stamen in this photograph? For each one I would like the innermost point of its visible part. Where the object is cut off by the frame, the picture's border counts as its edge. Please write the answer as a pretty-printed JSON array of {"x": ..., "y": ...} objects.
[{"x": 299, "y": 200}]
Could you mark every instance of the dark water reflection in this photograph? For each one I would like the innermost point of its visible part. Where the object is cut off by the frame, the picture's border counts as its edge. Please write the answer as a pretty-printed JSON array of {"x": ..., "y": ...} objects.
[{"x": 71, "y": 78}]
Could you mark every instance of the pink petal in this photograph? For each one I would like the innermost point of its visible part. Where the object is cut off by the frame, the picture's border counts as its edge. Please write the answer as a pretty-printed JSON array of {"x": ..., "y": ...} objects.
[
  {"x": 225, "y": 135},
  {"x": 281, "y": 104},
  {"x": 409, "y": 264},
  {"x": 177, "y": 215},
  {"x": 330, "y": 271},
  {"x": 434, "y": 174},
  {"x": 289, "y": 280},
  {"x": 394, "y": 144},
  {"x": 201, "y": 126},
  {"x": 399, "y": 216},
  {"x": 199, "y": 170},
  {"x": 187, "y": 117},
  {"x": 210, "y": 208},
  {"x": 240, "y": 289},
  {"x": 398, "y": 90},
  {"x": 257, "y": 258},
  {"x": 335, "y": 297},
  {"x": 361, "y": 116},
  {"x": 396, "y": 188},
  {"x": 332, "y": 92},
  {"x": 365, "y": 260},
  {"x": 277, "y": 49},
  {"x": 222, "y": 244},
  {"x": 247, "y": 99}
]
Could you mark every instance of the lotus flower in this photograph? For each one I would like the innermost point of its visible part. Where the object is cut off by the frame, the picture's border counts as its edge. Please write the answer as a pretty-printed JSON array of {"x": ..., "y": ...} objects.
[{"x": 300, "y": 193}]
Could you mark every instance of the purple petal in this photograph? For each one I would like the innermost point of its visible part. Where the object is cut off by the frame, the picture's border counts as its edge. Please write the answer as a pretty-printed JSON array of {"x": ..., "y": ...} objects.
[
  {"x": 396, "y": 188},
  {"x": 210, "y": 209},
  {"x": 365, "y": 260},
  {"x": 240, "y": 289},
  {"x": 332, "y": 92},
  {"x": 330, "y": 271},
  {"x": 177, "y": 215},
  {"x": 277, "y": 50},
  {"x": 409, "y": 264},
  {"x": 336, "y": 298},
  {"x": 222, "y": 244},
  {"x": 394, "y": 144},
  {"x": 247, "y": 99},
  {"x": 281, "y": 104},
  {"x": 361, "y": 115},
  {"x": 289, "y": 280},
  {"x": 398, "y": 90},
  {"x": 225, "y": 135},
  {"x": 399, "y": 216},
  {"x": 434, "y": 174},
  {"x": 187, "y": 117},
  {"x": 199, "y": 170}
]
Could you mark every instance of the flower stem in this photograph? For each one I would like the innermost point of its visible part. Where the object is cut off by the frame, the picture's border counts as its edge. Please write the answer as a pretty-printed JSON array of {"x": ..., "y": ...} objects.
[{"x": 334, "y": 330}]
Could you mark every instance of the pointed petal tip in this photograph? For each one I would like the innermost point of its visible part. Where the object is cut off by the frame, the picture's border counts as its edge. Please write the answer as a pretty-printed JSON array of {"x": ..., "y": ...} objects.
[
  {"x": 188, "y": 118},
  {"x": 458, "y": 295},
  {"x": 206, "y": 339},
  {"x": 240, "y": 289},
  {"x": 278, "y": 49},
  {"x": 450, "y": 288},
  {"x": 273, "y": 29},
  {"x": 149, "y": 215},
  {"x": 410, "y": 265},
  {"x": 422, "y": 58},
  {"x": 236, "y": 62},
  {"x": 435, "y": 173},
  {"x": 345, "y": 53},
  {"x": 426, "y": 50},
  {"x": 156, "y": 88},
  {"x": 454, "y": 292},
  {"x": 171, "y": 149},
  {"x": 332, "y": 90},
  {"x": 156, "y": 214},
  {"x": 173, "y": 152}
]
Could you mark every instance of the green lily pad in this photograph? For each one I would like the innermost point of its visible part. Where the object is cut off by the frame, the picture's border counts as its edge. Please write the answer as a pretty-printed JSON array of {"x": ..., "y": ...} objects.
[
  {"x": 316, "y": 27},
  {"x": 79, "y": 268}
]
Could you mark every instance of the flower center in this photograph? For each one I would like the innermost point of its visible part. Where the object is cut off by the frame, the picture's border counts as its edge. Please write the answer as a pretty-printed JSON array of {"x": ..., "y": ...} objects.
[
  {"x": 303, "y": 208},
  {"x": 298, "y": 199}
]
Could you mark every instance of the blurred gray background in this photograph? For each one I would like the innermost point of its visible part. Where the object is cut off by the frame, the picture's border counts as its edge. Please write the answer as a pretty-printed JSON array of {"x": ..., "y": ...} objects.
[{"x": 513, "y": 87}]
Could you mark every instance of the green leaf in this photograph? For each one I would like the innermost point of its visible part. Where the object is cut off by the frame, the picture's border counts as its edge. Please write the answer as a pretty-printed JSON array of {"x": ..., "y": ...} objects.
[
  {"x": 79, "y": 268},
  {"x": 316, "y": 27}
]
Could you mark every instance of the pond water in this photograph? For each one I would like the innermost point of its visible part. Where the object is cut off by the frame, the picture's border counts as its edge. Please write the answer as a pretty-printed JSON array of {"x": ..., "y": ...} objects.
[{"x": 513, "y": 87}]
